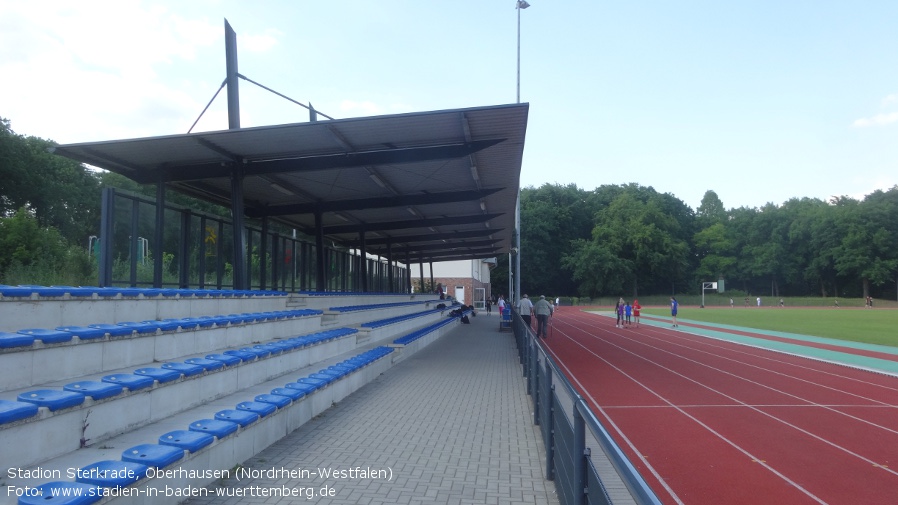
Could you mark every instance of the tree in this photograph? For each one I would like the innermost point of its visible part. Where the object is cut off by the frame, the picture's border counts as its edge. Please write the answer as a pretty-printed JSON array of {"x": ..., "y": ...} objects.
[
  {"x": 60, "y": 193},
  {"x": 637, "y": 242},
  {"x": 867, "y": 251},
  {"x": 551, "y": 217}
]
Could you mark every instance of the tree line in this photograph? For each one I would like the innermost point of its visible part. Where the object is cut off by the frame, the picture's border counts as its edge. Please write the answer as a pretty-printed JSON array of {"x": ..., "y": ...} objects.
[
  {"x": 49, "y": 209},
  {"x": 634, "y": 241}
]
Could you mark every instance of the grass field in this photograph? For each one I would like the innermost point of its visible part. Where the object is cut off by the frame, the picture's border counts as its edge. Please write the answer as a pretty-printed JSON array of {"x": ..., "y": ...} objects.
[{"x": 877, "y": 326}]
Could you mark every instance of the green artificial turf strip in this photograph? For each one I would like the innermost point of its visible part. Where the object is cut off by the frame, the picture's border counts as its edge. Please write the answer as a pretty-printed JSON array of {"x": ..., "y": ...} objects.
[{"x": 877, "y": 326}]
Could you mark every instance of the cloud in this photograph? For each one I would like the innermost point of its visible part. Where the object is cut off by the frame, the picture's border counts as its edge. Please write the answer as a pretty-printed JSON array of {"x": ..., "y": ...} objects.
[
  {"x": 877, "y": 120},
  {"x": 881, "y": 119},
  {"x": 259, "y": 43},
  {"x": 101, "y": 69}
]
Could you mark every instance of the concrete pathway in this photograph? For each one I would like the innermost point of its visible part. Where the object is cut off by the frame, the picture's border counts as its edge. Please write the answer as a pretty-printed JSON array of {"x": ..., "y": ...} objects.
[{"x": 451, "y": 424}]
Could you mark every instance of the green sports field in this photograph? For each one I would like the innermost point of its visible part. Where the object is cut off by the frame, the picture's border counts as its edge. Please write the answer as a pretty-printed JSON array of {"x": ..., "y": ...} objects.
[{"x": 876, "y": 326}]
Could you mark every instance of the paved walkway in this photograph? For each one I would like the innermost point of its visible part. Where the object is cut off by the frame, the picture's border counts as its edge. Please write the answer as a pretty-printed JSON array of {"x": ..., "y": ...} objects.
[{"x": 451, "y": 424}]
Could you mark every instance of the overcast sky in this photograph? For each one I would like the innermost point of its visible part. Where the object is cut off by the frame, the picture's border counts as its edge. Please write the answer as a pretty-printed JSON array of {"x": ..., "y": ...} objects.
[{"x": 760, "y": 100}]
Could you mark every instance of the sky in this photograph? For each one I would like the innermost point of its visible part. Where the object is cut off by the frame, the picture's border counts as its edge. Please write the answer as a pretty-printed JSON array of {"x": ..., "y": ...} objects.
[{"x": 760, "y": 101}]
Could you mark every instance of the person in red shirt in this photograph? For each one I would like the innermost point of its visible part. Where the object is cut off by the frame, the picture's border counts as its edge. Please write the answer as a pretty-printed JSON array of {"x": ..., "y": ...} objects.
[{"x": 636, "y": 308}]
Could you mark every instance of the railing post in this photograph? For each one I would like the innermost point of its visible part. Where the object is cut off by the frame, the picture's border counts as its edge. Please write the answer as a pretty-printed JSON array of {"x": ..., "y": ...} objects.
[
  {"x": 579, "y": 447},
  {"x": 550, "y": 430},
  {"x": 537, "y": 397}
]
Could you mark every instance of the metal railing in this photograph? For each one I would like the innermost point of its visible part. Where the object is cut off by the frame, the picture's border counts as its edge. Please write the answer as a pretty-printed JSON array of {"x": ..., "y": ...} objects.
[{"x": 571, "y": 431}]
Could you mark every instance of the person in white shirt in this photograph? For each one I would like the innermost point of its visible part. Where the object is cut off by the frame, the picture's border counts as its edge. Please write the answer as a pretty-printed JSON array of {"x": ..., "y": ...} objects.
[{"x": 525, "y": 308}]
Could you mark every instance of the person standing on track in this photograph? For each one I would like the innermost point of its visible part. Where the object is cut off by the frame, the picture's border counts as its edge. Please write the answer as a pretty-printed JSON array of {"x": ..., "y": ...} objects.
[
  {"x": 619, "y": 313},
  {"x": 673, "y": 311},
  {"x": 543, "y": 311},
  {"x": 628, "y": 310},
  {"x": 636, "y": 308}
]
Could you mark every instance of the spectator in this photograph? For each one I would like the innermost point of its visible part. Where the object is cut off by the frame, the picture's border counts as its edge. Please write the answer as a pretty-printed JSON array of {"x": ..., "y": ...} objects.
[
  {"x": 673, "y": 311},
  {"x": 525, "y": 308},
  {"x": 543, "y": 311}
]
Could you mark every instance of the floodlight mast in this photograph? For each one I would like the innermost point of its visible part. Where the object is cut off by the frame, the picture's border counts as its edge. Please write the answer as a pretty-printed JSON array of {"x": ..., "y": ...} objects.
[{"x": 520, "y": 4}]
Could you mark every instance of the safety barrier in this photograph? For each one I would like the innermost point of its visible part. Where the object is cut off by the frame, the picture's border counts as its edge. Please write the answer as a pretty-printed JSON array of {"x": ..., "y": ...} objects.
[{"x": 566, "y": 422}]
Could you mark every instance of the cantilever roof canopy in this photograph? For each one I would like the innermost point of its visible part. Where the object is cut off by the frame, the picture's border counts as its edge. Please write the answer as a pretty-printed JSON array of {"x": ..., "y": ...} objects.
[{"x": 437, "y": 185}]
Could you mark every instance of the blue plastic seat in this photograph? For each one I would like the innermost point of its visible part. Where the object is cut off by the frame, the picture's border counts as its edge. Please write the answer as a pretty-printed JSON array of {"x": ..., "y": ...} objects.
[
  {"x": 284, "y": 345},
  {"x": 279, "y": 401},
  {"x": 94, "y": 389},
  {"x": 15, "y": 411},
  {"x": 84, "y": 332},
  {"x": 160, "y": 374},
  {"x": 49, "y": 292},
  {"x": 241, "y": 417},
  {"x": 16, "y": 291},
  {"x": 207, "y": 364},
  {"x": 327, "y": 377},
  {"x": 48, "y": 336},
  {"x": 111, "y": 473},
  {"x": 141, "y": 327},
  {"x": 62, "y": 493},
  {"x": 131, "y": 381},
  {"x": 188, "y": 323},
  {"x": 316, "y": 383},
  {"x": 185, "y": 368},
  {"x": 260, "y": 353},
  {"x": 273, "y": 350},
  {"x": 292, "y": 393},
  {"x": 10, "y": 340},
  {"x": 154, "y": 455},
  {"x": 216, "y": 427},
  {"x": 166, "y": 325},
  {"x": 79, "y": 292},
  {"x": 128, "y": 292},
  {"x": 113, "y": 330},
  {"x": 227, "y": 359},
  {"x": 243, "y": 355},
  {"x": 185, "y": 439},
  {"x": 52, "y": 399},
  {"x": 197, "y": 322},
  {"x": 237, "y": 318},
  {"x": 263, "y": 409}
]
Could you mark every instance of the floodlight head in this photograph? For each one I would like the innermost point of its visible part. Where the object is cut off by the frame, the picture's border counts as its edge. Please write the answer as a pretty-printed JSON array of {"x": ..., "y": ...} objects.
[{"x": 522, "y": 4}]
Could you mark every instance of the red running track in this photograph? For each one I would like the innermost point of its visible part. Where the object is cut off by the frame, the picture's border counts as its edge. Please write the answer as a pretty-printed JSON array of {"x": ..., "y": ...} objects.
[{"x": 707, "y": 421}]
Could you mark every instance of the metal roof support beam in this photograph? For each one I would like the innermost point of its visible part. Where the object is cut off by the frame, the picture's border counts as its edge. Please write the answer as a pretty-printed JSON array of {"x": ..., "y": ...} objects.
[
  {"x": 107, "y": 226},
  {"x": 363, "y": 254},
  {"x": 413, "y": 223},
  {"x": 390, "y": 287},
  {"x": 320, "y": 279},
  {"x": 159, "y": 235},
  {"x": 263, "y": 254},
  {"x": 421, "y": 275},
  {"x": 393, "y": 156},
  {"x": 431, "y": 237},
  {"x": 374, "y": 203},
  {"x": 238, "y": 229},
  {"x": 232, "y": 72},
  {"x": 431, "y": 273},
  {"x": 184, "y": 251},
  {"x": 408, "y": 275}
]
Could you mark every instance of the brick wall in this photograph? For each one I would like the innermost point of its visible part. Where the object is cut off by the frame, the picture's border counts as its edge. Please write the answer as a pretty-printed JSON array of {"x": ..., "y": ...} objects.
[{"x": 469, "y": 284}]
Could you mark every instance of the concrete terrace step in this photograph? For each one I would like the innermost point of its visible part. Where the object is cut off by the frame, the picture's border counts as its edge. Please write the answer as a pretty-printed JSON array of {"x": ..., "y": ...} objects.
[
  {"x": 87, "y": 352},
  {"x": 334, "y": 380},
  {"x": 93, "y": 409}
]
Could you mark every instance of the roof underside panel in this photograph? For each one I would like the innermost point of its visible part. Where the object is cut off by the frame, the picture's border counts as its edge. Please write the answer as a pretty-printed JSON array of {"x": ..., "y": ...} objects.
[{"x": 398, "y": 179}]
